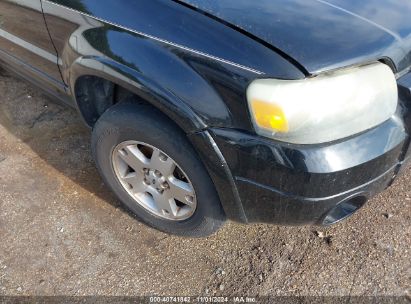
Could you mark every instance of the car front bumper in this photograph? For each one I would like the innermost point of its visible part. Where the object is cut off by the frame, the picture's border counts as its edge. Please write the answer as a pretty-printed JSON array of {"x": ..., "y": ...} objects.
[{"x": 316, "y": 184}]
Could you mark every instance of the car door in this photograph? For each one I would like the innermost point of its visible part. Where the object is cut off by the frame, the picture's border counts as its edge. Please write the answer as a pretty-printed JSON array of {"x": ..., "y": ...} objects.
[{"x": 25, "y": 44}]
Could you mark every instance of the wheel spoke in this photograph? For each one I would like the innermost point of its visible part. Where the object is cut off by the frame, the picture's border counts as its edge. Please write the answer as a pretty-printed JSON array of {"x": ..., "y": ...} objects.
[
  {"x": 135, "y": 182},
  {"x": 133, "y": 157},
  {"x": 181, "y": 191},
  {"x": 163, "y": 163},
  {"x": 165, "y": 203}
]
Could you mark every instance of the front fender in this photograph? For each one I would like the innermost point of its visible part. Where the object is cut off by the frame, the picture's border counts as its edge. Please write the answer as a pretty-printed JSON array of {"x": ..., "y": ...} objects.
[{"x": 212, "y": 89}]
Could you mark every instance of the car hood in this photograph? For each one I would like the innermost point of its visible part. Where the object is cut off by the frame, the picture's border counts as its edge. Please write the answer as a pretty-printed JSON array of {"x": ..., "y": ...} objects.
[{"x": 323, "y": 35}]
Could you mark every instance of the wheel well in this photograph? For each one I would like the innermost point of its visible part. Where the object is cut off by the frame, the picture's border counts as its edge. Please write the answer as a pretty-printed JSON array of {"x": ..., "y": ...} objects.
[{"x": 94, "y": 95}]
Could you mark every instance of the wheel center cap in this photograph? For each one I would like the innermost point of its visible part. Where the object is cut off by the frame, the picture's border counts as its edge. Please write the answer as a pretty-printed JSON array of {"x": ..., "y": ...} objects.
[{"x": 155, "y": 179}]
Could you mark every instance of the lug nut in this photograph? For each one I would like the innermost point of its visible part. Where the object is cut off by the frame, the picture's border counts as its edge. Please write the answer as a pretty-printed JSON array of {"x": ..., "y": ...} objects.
[
  {"x": 146, "y": 182},
  {"x": 164, "y": 185},
  {"x": 145, "y": 171},
  {"x": 157, "y": 173}
]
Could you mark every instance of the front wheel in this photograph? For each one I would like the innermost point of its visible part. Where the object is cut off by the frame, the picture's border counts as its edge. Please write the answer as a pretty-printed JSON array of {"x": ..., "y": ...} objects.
[{"x": 152, "y": 168}]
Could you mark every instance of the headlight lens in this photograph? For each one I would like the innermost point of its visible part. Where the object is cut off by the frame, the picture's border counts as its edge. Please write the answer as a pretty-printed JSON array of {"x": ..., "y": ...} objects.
[{"x": 321, "y": 109}]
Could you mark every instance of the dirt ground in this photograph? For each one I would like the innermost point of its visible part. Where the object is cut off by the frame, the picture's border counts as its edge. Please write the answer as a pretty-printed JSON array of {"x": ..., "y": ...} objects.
[{"x": 63, "y": 233}]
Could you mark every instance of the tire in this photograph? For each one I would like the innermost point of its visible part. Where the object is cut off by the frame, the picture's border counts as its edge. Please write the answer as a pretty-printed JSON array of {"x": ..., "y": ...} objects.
[{"x": 128, "y": 123}]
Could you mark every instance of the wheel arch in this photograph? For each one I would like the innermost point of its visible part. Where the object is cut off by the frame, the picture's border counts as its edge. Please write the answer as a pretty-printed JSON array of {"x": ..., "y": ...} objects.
[{"x": 111, "y": 78}]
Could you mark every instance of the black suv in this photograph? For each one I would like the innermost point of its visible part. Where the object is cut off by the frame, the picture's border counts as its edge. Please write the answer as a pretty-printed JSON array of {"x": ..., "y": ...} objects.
[{"x": 288, "y": 111}]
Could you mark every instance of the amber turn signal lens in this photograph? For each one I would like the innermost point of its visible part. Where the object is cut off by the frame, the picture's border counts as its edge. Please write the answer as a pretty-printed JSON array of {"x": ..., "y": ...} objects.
[{"x": 269, "y": 116}]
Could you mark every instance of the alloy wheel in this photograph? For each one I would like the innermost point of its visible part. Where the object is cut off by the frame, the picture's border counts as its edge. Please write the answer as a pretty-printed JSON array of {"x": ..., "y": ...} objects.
[{"x": 154, "y": 180}]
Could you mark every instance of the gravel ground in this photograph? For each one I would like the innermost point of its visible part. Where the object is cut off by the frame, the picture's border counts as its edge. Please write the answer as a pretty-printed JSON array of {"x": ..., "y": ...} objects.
[{"x": 63, "y": 233}]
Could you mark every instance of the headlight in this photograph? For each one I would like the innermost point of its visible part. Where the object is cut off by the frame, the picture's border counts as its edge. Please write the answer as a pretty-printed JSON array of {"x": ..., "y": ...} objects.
[{"x": 328, "y": 107}]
